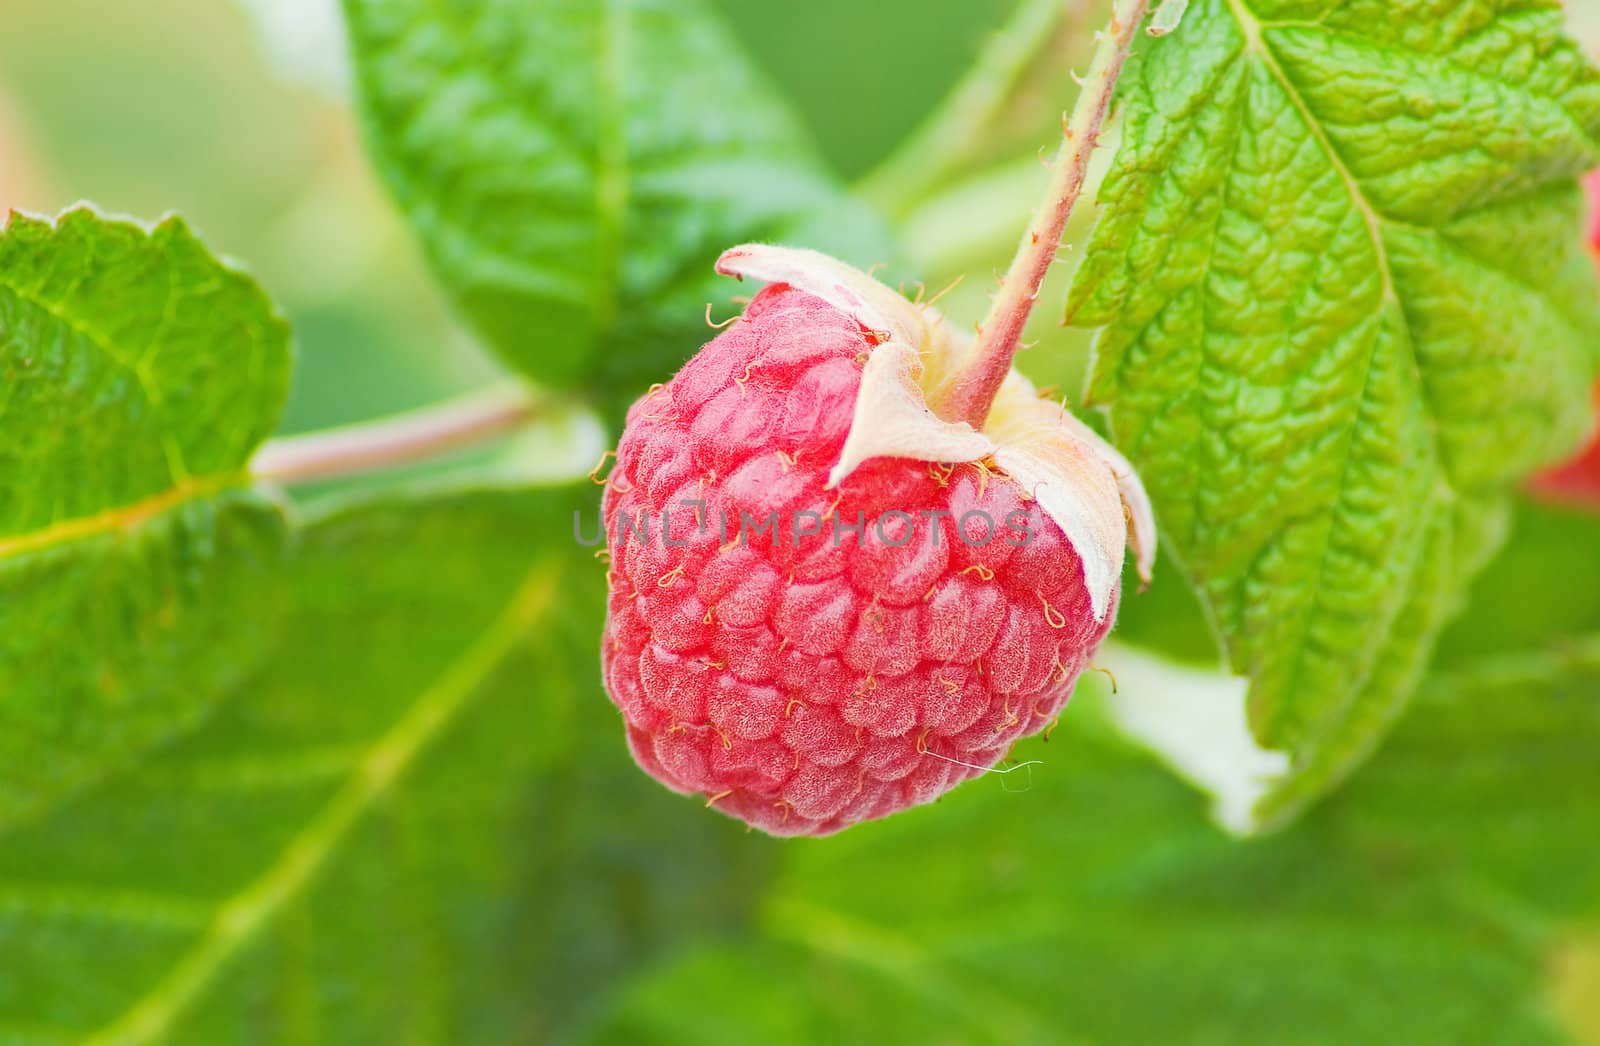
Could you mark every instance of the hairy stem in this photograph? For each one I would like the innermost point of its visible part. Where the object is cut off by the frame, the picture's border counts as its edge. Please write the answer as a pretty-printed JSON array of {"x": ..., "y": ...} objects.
[
  {"x": 944, "y": 139},
  {"x": 400, "y": 440},
  {"x": 971, "y": 392}
]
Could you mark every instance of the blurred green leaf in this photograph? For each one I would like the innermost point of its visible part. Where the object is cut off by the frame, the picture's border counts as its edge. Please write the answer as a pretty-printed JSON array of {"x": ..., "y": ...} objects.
[
  {"x": 1544, "y": 588},
  {"x": 956, "y": 131},
  {"x": 1333, "y": 348},
  {"x": 139, "y": 373},
  {"x": 1421, "y": 905},
  {"x": 574, "y": 169},
  {"x": 884, "y": 64},
  {"x": 404, "y": 827}
]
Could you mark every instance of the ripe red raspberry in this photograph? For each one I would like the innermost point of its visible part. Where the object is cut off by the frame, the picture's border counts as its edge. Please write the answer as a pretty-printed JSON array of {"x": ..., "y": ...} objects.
[
  {"x": 1578, "y": 481},
  {"x": 807, "y": 655}
]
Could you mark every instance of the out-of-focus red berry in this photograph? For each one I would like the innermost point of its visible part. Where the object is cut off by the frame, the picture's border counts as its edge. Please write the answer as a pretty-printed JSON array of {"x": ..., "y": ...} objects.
[{"x": 1578, "y": 481}]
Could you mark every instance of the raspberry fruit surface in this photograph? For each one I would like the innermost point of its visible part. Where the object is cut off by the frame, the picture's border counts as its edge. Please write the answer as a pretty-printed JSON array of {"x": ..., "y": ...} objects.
[{"x": 808, "y": 657}]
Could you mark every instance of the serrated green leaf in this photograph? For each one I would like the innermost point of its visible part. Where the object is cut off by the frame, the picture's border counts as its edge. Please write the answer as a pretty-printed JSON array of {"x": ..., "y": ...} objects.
[
  {"x": 574, "y": 169},
  {"x": 1422, "y": 904},
  {"x": 1345, "y": 303},
  {"x": 139, "y": 373},
  {"x": 383, "y": 833}
]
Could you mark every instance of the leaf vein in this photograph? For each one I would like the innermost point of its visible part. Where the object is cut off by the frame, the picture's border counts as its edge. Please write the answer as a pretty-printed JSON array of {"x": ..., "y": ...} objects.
[
  {"x": 1391, "y": 300},
  {"x": 248, "y": 911}
]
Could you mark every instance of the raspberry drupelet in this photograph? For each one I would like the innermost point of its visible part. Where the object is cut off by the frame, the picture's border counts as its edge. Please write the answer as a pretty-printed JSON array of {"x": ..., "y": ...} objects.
[{"x": 807, "y": 632}]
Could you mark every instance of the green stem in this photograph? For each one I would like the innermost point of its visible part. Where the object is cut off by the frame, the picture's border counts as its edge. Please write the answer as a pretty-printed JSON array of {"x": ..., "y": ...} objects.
[{"x": 972, "y": 390}]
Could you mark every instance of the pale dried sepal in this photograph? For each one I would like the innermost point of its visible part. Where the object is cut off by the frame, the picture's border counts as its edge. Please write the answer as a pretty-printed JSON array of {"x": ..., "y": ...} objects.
[
  {"x": 1088, "y": 489},
  {"x": 891, "y": 416},
  {"x": 1135, "y": 501},
  {"x": 1039, "y": 447},
  {"x": 845, "y": 287}
]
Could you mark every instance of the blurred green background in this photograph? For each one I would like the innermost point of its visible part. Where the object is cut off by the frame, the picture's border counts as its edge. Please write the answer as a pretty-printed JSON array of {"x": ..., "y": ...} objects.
[
  {"x": 234, "y": 114},
  {"x": 181, "y": 105}
]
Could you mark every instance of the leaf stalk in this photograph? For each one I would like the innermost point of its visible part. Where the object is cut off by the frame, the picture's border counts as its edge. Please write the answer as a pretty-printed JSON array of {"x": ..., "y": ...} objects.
[{"x": 402, "y": 439}]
